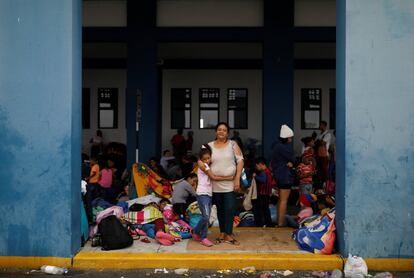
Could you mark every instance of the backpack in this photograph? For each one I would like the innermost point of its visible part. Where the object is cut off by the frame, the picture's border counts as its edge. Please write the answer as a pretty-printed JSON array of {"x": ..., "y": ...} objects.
[{"x": 113, "y": 234}]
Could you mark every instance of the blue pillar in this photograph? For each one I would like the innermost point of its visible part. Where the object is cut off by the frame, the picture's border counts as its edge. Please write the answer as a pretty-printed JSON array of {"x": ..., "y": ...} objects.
[
  {"x": 375, "y": 124},
  {"x": 142, "y": 77},
  {"x": 40, "y": 88},
  {"x": 278, "y": 69}
]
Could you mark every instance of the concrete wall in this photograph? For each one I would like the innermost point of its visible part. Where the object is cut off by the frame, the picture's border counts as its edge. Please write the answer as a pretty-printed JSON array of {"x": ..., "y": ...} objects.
[
  {"x": 376, "y": 128},
  {"x": 40, "y": 85},
  {"x": 324, "y": 79},
  {"x": 102, "y": 78},
  {"x": 223, "y": 79}
]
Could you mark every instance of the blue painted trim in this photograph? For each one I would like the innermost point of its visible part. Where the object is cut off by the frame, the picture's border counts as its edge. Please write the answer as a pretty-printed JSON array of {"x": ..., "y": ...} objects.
[
  {"x": 120, "y": 63},
  {"x": 210, "y": 34},
  {"x": 278, "y": 73},
  {"x": 104, "y": 34},
  {"x": 315, "y": 34},
  {"x": 142, "y": 75},
  {"x": 340, "y": 125},
  {"x": 217, "y": 34},
  {"x": 104, "y": 63}
]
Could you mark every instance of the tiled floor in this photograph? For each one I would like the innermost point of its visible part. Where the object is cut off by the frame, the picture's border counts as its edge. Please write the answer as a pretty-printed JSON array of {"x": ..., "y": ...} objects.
[{"x": 252, "y": 240}]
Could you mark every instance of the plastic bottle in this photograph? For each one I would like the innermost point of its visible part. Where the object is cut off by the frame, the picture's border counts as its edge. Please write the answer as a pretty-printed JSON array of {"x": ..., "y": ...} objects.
[
  {"x": 50, "y": 269},
  {"x": 243, "y": 179}
]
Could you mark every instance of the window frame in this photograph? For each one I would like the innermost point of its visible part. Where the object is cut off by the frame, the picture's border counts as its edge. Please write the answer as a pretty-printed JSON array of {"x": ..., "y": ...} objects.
[
  {"x": 114, "y": 108},
  {"x": 303, "y": 103},
  {"x": 239, "y": 109},
  {"x": 172, "y": 109},
  {"x": 208, "y": 109}
]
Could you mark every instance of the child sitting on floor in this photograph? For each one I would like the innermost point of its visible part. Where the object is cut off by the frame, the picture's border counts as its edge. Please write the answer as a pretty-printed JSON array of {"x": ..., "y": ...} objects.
[
  {"x": 175, "y": 225},
  {"x": 306, "y": 211}
]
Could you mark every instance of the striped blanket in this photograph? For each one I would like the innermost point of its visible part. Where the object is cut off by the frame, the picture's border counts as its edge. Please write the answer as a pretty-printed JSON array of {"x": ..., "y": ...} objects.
[{"x": 145, "y": 216}]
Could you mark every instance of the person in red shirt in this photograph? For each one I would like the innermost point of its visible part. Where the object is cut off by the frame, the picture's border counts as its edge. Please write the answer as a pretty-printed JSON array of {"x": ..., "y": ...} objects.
[
  {"x": 264, "y": 183},
  {"x": 179, "y": 144},
  {"x": 305, "y": 172}
]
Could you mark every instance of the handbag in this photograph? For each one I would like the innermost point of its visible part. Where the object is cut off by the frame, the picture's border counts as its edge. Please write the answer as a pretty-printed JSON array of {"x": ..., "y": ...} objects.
[{"x": 250, "y": 195}]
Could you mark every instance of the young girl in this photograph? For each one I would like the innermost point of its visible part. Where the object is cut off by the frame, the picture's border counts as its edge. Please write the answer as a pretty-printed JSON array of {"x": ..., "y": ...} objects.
[
  {"x": 306, "y": 211},
  {"x": 204, "y": 195}
]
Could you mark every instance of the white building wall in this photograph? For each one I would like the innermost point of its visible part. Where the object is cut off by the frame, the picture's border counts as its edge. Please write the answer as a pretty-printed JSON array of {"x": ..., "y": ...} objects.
[
  {"x": 223, "y": 79},
  {"x": 100, "y": 78},
  {"x": 324, "y": 79}
]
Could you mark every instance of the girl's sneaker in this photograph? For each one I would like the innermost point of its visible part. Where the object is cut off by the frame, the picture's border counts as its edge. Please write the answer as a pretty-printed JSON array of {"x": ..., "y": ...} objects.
[{"x": 206, "y": 242}]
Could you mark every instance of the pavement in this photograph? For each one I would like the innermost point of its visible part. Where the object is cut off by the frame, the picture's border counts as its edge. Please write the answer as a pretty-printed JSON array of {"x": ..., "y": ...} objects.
[{"x": 13, "y": 273}]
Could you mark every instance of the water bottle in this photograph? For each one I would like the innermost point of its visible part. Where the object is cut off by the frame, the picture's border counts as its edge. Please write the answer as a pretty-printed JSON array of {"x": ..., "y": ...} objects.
[
  {"x": 50, "y": 269},
  {"x": 243, "y": 179}
]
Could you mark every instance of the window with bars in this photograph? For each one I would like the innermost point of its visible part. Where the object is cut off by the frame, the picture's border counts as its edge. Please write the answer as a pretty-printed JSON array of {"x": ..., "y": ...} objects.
[
  {"x": 237, "y": 108},
  {"x": 180, "y": 108},
  {"x": 108, "y": 108},
  {"x": 209, "y": 100}
]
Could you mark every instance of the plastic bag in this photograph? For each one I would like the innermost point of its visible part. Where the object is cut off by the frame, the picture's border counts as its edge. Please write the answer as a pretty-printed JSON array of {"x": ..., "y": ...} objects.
[{"x": 355, "y": 267}]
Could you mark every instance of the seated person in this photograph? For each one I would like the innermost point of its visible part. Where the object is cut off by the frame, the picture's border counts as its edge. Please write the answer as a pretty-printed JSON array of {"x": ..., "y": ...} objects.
[
  {"x": 306, "y": 211},
  {"x": 167, "y": 160},
  {"x": 156, "y": 167},
  {"x": 184, "y": 191},
  {"x": 187, "y": 166}
]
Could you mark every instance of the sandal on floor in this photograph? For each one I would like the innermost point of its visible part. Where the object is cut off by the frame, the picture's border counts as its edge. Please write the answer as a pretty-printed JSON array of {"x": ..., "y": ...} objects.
[
  {"x": 232, "y": 242},
  {"x": 218, "y": 240}
]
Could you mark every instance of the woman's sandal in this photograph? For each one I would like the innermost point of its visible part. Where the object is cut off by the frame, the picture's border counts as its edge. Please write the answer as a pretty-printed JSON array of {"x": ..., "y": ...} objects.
[
  {"x": 218, "y": 241},
  {"x": 232, "y": 242}
]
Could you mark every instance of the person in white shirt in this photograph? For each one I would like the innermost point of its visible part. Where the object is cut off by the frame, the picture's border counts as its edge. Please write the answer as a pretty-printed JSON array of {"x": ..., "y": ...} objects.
[{"x": 325, "y": 135}]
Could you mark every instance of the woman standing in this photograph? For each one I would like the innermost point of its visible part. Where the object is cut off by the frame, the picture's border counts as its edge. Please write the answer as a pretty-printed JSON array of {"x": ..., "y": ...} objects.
[
  {"x": 226, "y": 160},
  {"x": 282, "y": 164}
]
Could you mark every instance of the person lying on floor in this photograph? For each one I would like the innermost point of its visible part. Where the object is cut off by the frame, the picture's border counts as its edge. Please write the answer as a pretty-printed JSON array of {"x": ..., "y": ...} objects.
[{"x": 151, "y": 214}]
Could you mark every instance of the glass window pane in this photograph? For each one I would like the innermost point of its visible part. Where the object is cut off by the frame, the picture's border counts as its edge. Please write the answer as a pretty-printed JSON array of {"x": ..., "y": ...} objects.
[{"x": 208, "y": 118}]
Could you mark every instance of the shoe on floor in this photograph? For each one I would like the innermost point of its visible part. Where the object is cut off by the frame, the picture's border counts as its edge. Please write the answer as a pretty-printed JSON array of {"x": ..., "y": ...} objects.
[
  {"x": 162, "y": 235},
  {"x": 141, "y": 232},
  {"x": 206, "y": 242},
  {"x": 165, "y": 242}
]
